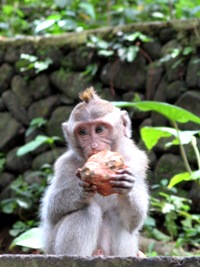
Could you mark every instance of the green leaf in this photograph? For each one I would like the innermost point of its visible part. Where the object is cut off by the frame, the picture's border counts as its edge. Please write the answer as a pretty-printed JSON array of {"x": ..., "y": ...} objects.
[
  {"x": 157, "y": 234},
  {"x": 38, "y": 122},
  {"x": 131, "y": 53},
  {"x": 105, "y": 53},
  {"x": 63, "y": 3},
  {"x": 42, "y": 65},
  {"x": 173, "y": 113},
  {"x": 187, "y": 50},
  {"x": 137, "y": 35},
  {"x": 150, "y": 222},
  {"x": 132, "y": 37},
  {"x": 195, "y": 175},
  {"x": 101, "y": 44},
  {"x": 24, "y": 203},
  {"x": 185, "y": 176},
  {"x": 89, "y": 9},
  {"x": 8, "y": 206},
  {"x": 168, "y": 207},
  {"x": 184, "y": 136},
  {"x": 55, "y": 17},
  {"x": 158, "y": 15},
  {"x": 144, "y": 38},
  {"x": 38, "y": 141},
  {"x": 35, "y": 123},
  {"x": 14, "y": 232},
  {"x": 28, "y": 57},
  {"x": 67, "y": 24},
  {"x": 44, "y": 25},
  {"x": 94, "y": 39},
  {"x": 8, "y": 9},
  {"x": 151, "y": 135},
  {"x": 30, "y": 239},
  {"x": 175, "y": 52},
  {"x": 31, "y": 146},
  {"x": 122, "y": 52}
]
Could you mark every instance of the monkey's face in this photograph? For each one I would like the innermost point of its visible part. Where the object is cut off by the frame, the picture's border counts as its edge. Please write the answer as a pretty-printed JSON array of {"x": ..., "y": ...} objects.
[{"x": 94, "y": 136}]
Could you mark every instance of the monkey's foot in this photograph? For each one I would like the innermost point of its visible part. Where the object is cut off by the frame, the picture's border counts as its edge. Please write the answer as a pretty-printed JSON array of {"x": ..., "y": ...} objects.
[
  {"x": 140, "y": 254},
  {"x": 98, "y": 252}
]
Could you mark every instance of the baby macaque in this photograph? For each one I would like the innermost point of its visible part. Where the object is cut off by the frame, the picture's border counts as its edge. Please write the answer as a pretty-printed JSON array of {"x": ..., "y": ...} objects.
[{"x": 77, "y": 218}]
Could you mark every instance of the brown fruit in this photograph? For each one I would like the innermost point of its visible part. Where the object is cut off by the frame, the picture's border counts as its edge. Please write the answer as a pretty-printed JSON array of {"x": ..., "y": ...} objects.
[{"x": 99, "y": 168}]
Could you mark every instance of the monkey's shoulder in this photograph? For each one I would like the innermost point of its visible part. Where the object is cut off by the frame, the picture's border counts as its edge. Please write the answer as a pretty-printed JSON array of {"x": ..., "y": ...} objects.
[
  {"x": 68, "y": 160},
  {"x": 133, "y": 153}
]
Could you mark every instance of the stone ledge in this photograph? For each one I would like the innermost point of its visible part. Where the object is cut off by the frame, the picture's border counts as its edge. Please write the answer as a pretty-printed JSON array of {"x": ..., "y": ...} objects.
[
  {"x": 64, "y": 261},
  {"x": 75, "y": 39}
]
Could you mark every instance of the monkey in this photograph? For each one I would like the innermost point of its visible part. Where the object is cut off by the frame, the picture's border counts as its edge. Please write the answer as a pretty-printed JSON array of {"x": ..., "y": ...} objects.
[{"x": 75, "y": 219}]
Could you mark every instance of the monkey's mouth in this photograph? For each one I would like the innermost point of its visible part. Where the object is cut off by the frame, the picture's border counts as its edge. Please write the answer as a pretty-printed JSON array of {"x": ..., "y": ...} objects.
[{"x": 95, "y": 152}]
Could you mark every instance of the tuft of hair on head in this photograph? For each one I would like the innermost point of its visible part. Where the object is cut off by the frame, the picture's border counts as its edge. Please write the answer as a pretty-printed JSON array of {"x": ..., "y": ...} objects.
[{"x": 88, "y": 94}]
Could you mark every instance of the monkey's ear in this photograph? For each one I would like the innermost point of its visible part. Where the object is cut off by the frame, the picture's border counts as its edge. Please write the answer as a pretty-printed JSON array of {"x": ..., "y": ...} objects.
[
  {"x": 126, "y": 123},
  {"x": 65, "y": 130}
]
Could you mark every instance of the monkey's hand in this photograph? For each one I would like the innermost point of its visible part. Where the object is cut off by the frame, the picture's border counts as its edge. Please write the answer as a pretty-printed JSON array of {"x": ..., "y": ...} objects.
[
  {"x": 122, "y": 181},
  {"x": 88, "y": 189}
]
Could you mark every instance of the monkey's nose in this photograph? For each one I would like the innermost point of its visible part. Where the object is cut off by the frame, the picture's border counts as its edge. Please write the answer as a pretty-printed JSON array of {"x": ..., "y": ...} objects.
[{"x": 94, "y": 145}]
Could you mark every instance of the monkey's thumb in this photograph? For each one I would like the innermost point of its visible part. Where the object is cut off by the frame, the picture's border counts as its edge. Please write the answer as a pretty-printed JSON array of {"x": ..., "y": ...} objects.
[{"x": 78, "y": 173}]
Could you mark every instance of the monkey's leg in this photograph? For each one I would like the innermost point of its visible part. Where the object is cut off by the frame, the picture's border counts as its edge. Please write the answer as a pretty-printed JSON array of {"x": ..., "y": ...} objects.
[
  {"x": 77, "y": 233},
  {"x": 123, "y": 243}
]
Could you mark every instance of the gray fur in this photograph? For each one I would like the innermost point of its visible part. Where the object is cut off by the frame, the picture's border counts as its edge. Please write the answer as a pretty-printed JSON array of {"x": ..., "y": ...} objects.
[{"x": 76, "y": 223}]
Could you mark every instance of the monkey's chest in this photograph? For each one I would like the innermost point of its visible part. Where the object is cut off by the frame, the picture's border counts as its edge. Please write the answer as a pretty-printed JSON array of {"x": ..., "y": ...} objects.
[{"x": 106, "y": 204}]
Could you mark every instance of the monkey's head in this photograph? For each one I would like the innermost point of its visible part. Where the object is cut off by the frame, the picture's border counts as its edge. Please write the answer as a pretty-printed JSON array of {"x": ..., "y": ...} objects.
[{"x": 95, "y": 125}]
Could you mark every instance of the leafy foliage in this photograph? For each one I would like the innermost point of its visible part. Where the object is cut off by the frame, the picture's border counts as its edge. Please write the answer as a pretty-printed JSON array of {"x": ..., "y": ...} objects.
[
  {"x": 25, "y": 195},
  {"x": 35, "y": 124},
  {"x": 182, "y": 226},
  {"x": 173, "y": 113},
  {"x": 28, "y": 62},
  {"x": 30, "y": 238},
  {"x": 124, "y": 46},
  {"x": 38, "y": 141},
  {"x": 177, "y": 220},
  {"x": 34, "y": 17}
]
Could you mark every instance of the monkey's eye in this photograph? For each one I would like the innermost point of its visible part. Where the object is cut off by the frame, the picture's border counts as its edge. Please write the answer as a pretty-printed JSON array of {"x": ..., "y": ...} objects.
[
  {"x": 82, "y": 132},
  {"x": 100, "y": 129}
]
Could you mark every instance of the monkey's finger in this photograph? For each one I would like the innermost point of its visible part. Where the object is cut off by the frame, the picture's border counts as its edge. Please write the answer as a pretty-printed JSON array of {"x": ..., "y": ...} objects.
[
  {"x": 121, "y": 184},
  {"x": 93, "y": 187},
  {"x": 122, "y": 177},
  {"x": 121, "y": 190},
  {"x": 90, "y": 190},
  {"x": 78, "y": 173},
  {"x": 88, "y": 186},
  {"x": 126, "y": 170},
  {"x": 84, "y": 185}
]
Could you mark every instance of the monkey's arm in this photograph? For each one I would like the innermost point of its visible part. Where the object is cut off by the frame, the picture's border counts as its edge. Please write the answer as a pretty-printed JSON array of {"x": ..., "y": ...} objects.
[
  {"x": 133, "y": 205},
  {"x": 66, "y": 194},
  {"x": 133, "y": 197}
]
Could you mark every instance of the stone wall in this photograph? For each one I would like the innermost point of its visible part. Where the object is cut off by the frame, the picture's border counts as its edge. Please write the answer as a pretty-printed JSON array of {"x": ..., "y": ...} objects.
[
  {"x": 57, "y": 261},
  {"x": 26, "y": 92}
]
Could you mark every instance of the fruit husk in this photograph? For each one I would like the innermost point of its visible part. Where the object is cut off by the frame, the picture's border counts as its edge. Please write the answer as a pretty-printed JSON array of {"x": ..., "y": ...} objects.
[{"x": 99, "y": 168}]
